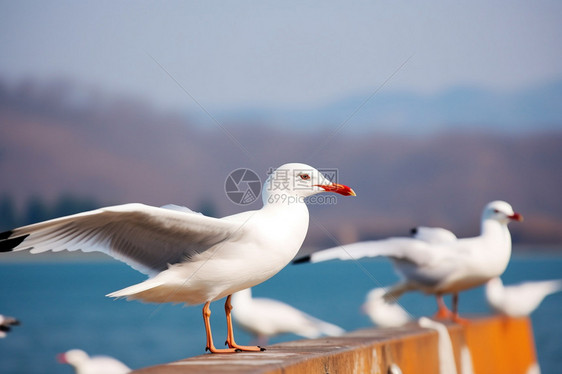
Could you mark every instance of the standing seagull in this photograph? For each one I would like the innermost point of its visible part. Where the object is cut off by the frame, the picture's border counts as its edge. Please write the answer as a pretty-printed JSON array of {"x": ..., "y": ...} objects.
[
  {"x": 521, "y": 299},
  {"x": 263, "y": 318},
  {"x": 189, "y": 257},
  {"x": 440, "y": 266}
]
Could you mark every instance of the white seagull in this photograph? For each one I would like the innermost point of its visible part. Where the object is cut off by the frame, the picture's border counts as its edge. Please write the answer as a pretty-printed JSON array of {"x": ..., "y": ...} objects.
[
  {"x": 384, "y": 313},
  {"x": 6, "y": 324},
  {"x": 84, "y": 364},
  {"x": 521, "y": 299},
  {"x": 264, "y": 318},
  {"x": 191, "y": 258},
  {"x": 440, "y": 264}
]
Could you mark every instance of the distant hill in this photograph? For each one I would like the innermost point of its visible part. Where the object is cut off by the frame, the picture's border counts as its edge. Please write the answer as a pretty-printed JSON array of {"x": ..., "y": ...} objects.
[
  {"x": 117, "y": 151},
  {"x": 413, "y": 114}
]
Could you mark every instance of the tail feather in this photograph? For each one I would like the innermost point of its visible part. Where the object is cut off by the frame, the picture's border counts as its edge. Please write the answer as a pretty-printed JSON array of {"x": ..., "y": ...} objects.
[
  {"x": 316, "y": 328},
  {"x": 135, "y": 291},
  {"x": 553, "y": 286},
  {"x": 330, "y": 329}
]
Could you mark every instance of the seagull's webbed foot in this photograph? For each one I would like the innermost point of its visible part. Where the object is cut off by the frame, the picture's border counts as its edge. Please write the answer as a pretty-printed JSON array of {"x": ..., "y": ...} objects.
[
  {"x": 212, "y": 349},
  {"x": 461, "y": 321},
  {"x": 244, "y": 348}
]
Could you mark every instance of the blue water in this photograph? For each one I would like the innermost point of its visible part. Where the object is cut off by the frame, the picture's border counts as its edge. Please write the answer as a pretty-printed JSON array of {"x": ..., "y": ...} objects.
[{"x": 62, "y": 306}]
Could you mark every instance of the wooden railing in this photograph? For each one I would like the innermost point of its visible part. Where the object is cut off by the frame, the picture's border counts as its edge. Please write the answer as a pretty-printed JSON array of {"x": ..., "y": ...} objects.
[{"x": 494, "y": 345}]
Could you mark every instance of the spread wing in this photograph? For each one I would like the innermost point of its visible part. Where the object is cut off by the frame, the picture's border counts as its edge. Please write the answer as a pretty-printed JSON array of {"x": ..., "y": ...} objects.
[
  {"x": 146, "y": 238},
  {"x": 410, "y": 249}
]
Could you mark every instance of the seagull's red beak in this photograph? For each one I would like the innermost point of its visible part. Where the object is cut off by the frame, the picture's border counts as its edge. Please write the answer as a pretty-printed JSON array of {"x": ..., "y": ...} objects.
[
  {"x": 62, "y": 358},
  {"x": 338, "y": 188},
  {"x": 516, "y": 217}
]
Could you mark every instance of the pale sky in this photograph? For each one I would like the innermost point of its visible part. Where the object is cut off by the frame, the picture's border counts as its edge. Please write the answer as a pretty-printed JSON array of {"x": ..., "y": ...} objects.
[{"x": 289, "y": 53}]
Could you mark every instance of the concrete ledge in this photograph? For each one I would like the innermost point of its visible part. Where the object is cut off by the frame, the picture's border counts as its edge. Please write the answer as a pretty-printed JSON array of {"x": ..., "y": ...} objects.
[{"x": 497, "y": 345}]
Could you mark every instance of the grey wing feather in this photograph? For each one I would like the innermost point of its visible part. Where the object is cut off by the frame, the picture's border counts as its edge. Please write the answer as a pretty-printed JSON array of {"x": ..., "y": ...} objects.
[{"x": 147, "y": 238}]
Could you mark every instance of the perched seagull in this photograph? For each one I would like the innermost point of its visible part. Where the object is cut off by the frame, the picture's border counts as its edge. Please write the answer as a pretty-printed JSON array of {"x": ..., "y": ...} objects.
[
  {"x": 521, "y": 299},
  {"x": 84, "y": 364},
  {"x": 440, "y": 266},
  {"x": 191, "y": 258},
  {"x": 384, "y": 313},
  {"x": 6, "y": 324},
  {"x": 263, "y": 318}
]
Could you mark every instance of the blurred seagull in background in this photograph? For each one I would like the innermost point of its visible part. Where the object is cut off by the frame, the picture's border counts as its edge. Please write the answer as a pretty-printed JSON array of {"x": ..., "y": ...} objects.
[
  {"x": 439, "y": 263},
  {"x": 384, "y": 313},
  {"x": 264, "y": 318},
  {"x": 445, "y": 349},
  {"x": 84, "y": 364},
  {"x": 6, "y": 324},
  {"x": 191, "y": 258},
  {"x": 519, "y": 300}
]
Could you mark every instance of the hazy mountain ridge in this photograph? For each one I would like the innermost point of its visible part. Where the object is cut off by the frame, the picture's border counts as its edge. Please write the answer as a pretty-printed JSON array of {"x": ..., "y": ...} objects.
[
  {"x": 126, "y": 151},
  {"x": 531, "y": 109}
]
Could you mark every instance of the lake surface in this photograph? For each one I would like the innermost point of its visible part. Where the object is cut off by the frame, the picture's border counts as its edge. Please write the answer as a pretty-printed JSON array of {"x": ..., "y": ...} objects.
[{"x": 62, "y": 306}]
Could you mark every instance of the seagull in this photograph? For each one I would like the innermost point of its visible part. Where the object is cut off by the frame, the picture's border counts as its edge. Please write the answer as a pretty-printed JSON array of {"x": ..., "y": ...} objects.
[
  {"x": 521, "y": 299},
  {"x": 191, "y": 258},
  {"x": 439, "y": 263},
  {"x": 84, "y": 364},
  {"x": 264, "y": 317},
  {"x": 6, "y": 324},
  {"x": 384, "y": 313}
]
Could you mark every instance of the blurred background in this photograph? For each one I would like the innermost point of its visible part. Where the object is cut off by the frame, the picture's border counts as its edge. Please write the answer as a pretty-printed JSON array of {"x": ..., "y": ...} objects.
[{"x": 428, "y": 111}]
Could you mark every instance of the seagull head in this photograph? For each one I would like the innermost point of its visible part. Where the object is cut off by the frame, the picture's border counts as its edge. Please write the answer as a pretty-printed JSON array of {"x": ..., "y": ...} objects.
[
  {"x": 293, "y": 182},
  {"x": 500, "y": 211},
  {"x": 73, "y": 357}
]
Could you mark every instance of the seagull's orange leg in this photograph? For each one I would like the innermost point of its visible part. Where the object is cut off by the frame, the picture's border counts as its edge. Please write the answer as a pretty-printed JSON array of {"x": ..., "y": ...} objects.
[
  {"x": 210, "y": 346},
  {"x": 442, "y": 311},
  {"x": 230, "y": 337},
  {"x": 456, "y": 318}
]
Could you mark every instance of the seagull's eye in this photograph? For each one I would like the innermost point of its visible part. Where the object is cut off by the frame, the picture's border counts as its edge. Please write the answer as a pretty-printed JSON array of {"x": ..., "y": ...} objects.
[
  {"x": 496, "y": 211},
  {"x": 305, "y": 177}
]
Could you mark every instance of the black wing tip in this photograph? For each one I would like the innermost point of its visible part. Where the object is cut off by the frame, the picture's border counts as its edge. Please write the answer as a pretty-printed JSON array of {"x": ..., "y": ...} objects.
[
  {"x": 6, "y": 234},
  {"x": 8, "y": 244},
  {"x": 414, "y": 231},
  {"x": 302, "y": 260}
]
